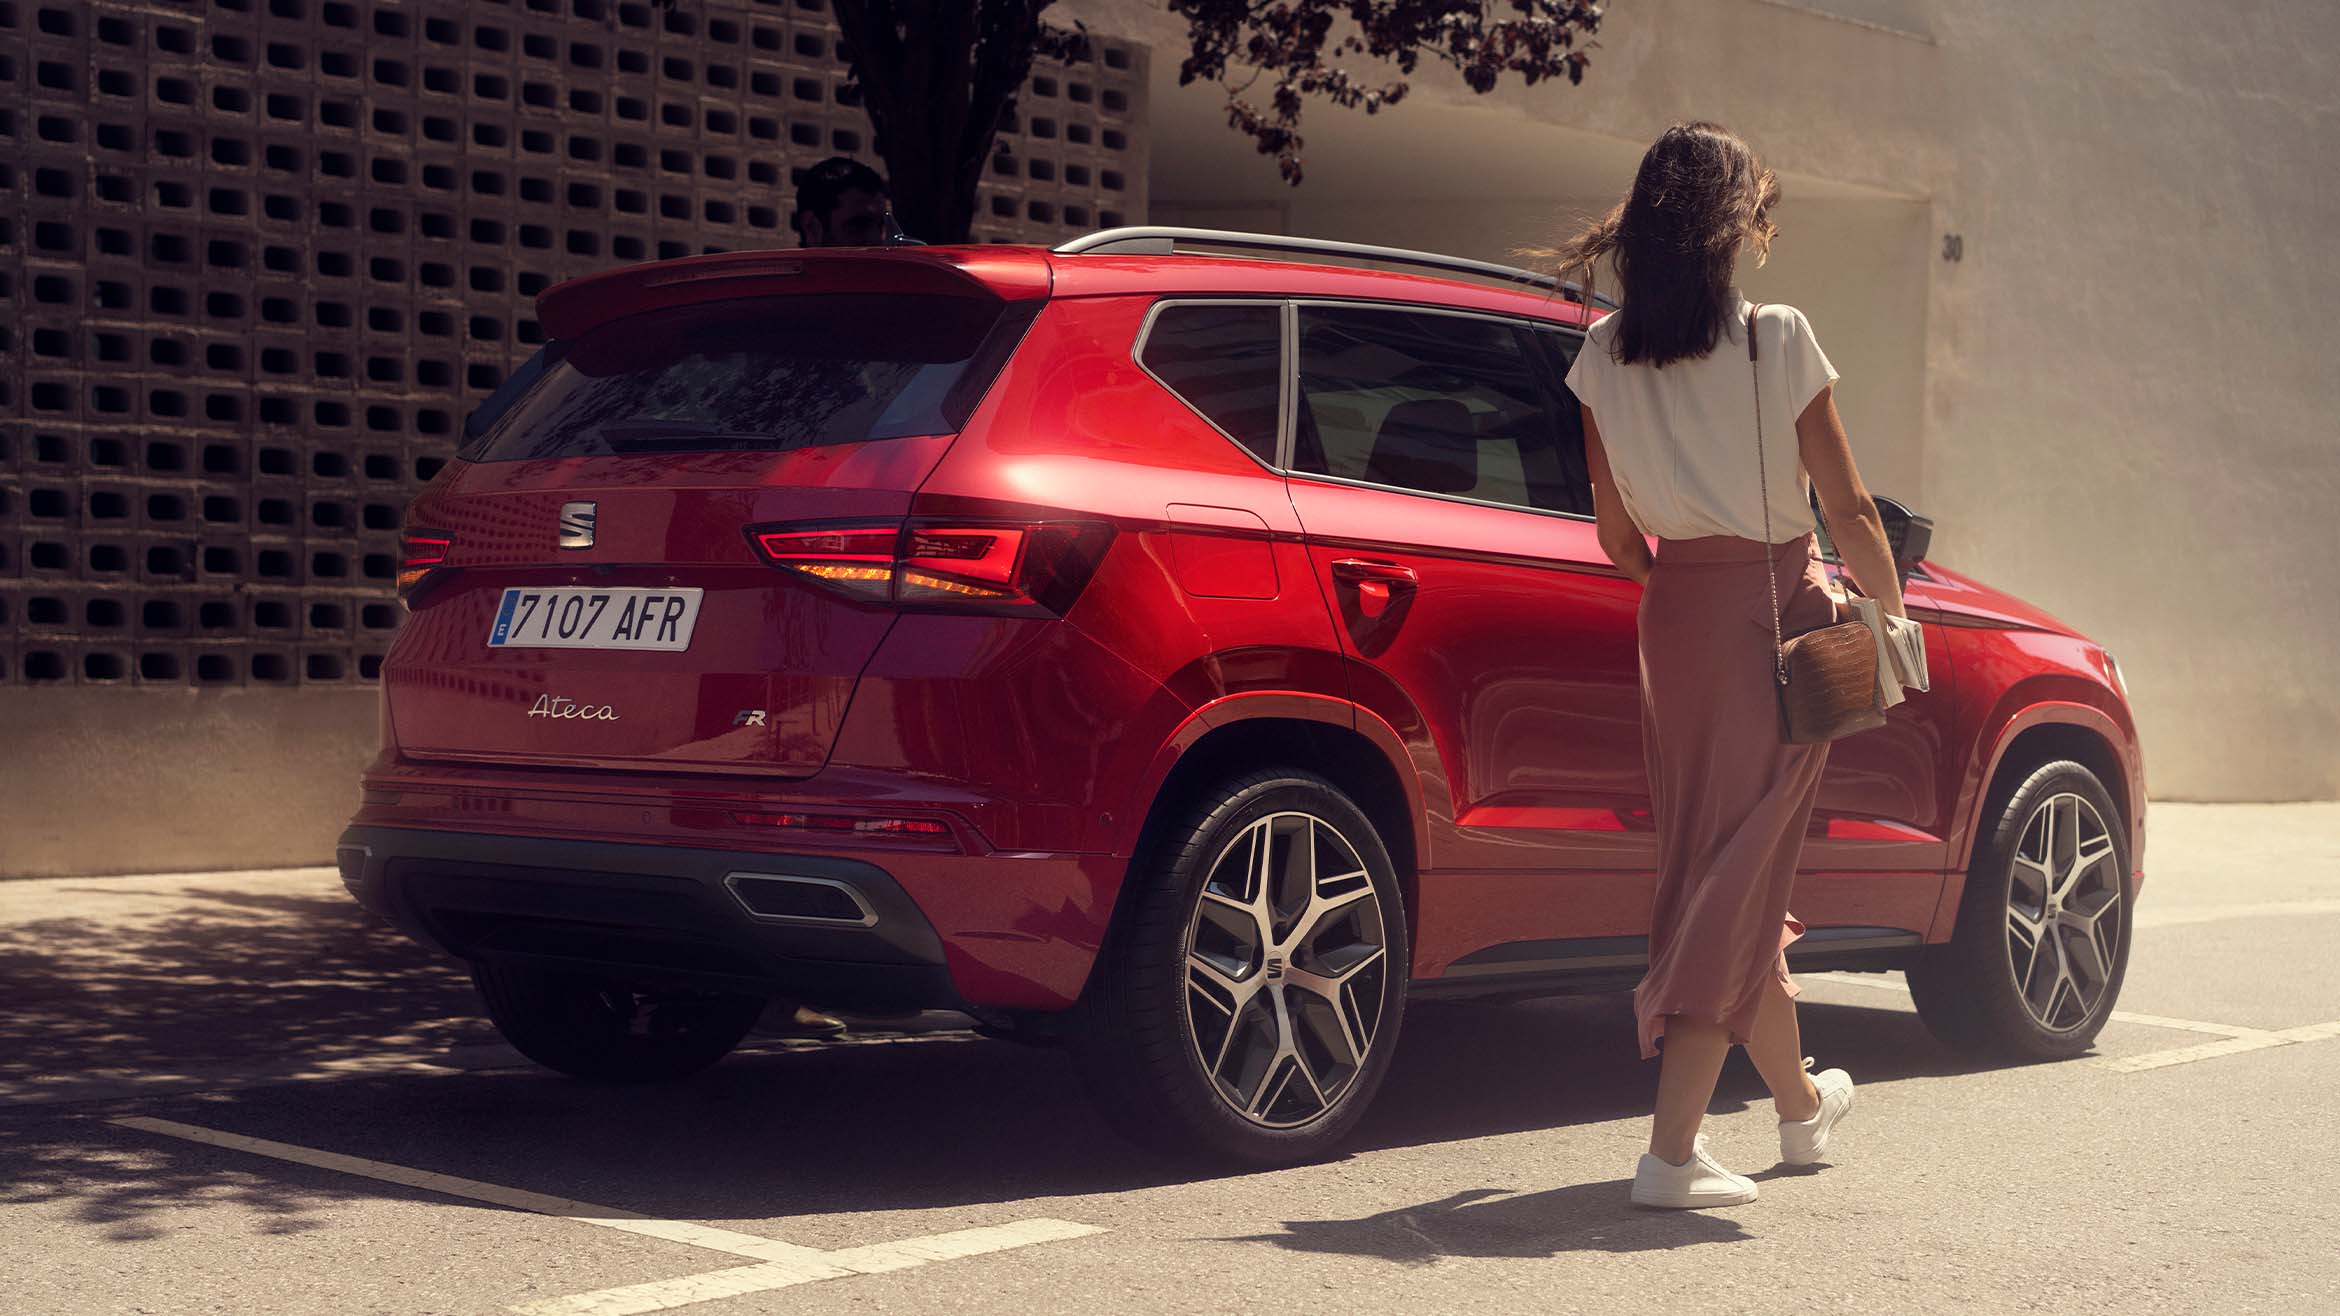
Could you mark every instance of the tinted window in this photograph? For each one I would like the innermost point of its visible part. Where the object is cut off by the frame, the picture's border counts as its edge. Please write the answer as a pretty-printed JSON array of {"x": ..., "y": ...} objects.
[
  {"x": 766, "y": 375},
  {"x": 1226, "y": 362},
  {"x": 483, "y": 418},
  {"x": 1575, "y": 474},
  {"x": 1443, "y": 404}
]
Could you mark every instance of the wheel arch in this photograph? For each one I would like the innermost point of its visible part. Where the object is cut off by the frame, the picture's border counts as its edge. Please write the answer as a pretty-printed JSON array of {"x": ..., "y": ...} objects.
[
  {"x": 1349, "y": 747},
  {"x": 2041, "y": 733}
]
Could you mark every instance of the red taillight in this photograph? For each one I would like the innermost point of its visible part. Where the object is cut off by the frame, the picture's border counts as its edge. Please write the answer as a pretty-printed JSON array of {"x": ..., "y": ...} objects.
[
  {"x": 837, "y": 822},
  {"x": 1025, "y": 567},
  {"x": 857, "y": 560},
  {"x": 420, "y": 554}
]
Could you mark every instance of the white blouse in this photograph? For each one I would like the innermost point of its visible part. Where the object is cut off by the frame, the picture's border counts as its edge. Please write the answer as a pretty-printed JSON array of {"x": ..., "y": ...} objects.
[{"x": 1680, "y": 438}]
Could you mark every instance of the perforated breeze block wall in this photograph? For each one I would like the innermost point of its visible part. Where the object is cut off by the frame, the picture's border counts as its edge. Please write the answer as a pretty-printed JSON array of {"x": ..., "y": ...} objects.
[{"x": 258, "y": 258}]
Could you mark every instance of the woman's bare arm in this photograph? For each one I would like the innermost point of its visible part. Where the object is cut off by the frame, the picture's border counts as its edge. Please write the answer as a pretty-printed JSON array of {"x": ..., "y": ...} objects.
[
  {"x": 1620, "y": 538},
  {"x": 1853, "y": 523}
]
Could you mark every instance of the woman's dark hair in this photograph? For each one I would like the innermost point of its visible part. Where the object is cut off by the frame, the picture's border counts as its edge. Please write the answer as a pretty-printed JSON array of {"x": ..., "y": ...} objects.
[{"x": 1700, "y": 193}]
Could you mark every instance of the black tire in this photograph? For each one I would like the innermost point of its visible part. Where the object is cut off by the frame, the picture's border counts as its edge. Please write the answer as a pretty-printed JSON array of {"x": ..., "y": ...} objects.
[
  {"x": 602, "y": 1030},
  {"x": 1138, "y": 1046},
  {"x": 1976, "y": 992}
]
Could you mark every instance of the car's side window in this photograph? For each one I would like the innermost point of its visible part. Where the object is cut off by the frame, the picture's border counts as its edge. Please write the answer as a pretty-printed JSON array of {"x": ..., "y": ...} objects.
[
  {"x": 1573, "y": 474},
  {"x": 1225, "y": 360},
  {"x": 1443, "y": 404}
]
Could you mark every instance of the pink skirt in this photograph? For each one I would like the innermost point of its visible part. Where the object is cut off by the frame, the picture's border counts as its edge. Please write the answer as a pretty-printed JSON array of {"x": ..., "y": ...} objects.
[{"x": 1730, "y": 798}]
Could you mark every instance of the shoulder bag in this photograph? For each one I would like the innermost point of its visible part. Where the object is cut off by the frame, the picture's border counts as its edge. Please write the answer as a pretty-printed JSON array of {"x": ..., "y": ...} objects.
[{"x": 1826, "y": 677}]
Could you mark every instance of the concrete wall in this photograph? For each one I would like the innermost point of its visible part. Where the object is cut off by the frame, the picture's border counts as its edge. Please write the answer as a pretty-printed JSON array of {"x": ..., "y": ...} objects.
[
  {"x": 2118, "y": 402},
  {"x": 151, "y": 781},
  {"x": 2132, "y": 413}
]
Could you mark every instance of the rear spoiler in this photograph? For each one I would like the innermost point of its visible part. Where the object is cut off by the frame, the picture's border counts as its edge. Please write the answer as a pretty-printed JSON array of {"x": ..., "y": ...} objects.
[{"x": 570, "y": 308}]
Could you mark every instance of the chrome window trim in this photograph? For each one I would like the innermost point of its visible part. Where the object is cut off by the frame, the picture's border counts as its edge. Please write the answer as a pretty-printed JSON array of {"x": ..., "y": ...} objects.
[{"x": 1284, "y": 387}]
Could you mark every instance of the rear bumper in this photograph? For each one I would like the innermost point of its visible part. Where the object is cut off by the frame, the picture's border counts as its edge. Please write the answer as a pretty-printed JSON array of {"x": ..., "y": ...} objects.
[{"x": 835, "y": 931}]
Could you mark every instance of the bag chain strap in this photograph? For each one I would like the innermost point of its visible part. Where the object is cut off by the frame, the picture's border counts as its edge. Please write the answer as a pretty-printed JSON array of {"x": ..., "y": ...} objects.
[{"x": 1770, "y": 568}]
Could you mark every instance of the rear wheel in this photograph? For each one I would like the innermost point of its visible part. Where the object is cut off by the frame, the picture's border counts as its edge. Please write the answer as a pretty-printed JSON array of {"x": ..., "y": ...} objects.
[
  {"x": 2042, "y": 941},
  {"x": 1249, "y": 1005},
  {"x": 597, "y": 1029}
]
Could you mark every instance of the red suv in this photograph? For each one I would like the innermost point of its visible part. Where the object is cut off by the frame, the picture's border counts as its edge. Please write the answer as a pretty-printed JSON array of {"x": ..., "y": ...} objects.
[{"x": 1188, "y": 658}]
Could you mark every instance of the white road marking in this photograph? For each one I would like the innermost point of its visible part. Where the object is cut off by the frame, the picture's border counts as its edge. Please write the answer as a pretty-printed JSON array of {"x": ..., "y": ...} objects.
[
  {"x": 2232, "y": 1039},
  {"x": 2225, "y": 1046},
  {"x": 664, "y": 1295},
  {"x": 586, "y": 1213},
  {"x": 2180, "y": 1025},
  {"x": 2154, "y": 916},
  {"x": 784, "y": 1264}
]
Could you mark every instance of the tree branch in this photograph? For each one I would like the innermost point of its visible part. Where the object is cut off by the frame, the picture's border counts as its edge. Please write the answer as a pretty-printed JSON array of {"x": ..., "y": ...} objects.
[{"x": 1291, "y": 42}]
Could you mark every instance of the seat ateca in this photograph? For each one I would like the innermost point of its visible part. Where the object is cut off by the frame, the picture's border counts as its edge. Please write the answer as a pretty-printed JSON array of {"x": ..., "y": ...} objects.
[{"x": 1186, "y": 647}]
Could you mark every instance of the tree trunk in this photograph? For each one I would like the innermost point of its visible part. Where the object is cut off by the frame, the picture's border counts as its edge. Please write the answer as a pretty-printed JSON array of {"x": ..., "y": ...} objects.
[{"x": 936, "y": 76}]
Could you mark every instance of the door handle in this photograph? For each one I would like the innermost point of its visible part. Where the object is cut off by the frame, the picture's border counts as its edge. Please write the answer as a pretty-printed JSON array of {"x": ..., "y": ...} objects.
[
  {"x": 1357, "y": 570},
  {"x": 1375, "y": 582}
]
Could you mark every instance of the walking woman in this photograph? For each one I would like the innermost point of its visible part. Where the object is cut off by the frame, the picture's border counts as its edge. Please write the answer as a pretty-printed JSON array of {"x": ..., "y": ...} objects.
[{"x": 1671, "y": 429}]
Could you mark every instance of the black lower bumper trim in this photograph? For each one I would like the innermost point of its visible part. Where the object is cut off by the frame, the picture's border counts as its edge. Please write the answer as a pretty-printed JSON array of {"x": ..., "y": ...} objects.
[
  {"x": 651, "y": 916},
  {"x": 1587, "y": 965}
]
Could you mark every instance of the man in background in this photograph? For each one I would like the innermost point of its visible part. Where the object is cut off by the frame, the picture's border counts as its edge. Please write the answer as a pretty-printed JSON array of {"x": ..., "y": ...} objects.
[{"x": 842, "y": 202}]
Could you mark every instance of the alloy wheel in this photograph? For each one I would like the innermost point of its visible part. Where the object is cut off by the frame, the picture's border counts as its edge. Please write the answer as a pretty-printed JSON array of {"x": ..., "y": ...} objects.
[
  {"x": 2064, "y": 913},
  {"x": 1286, "y": 970}
]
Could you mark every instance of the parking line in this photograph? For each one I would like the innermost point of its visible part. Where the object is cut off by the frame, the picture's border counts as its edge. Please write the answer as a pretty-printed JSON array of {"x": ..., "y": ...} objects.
[
  {"x": 784, "y": 1264},
  {"x": 2232, "y": 1039},
  {"x": 881, "y": 1258},
  {"x": 584, "y": 1213},
  {"x": 2225, "y": 1046},
  {"x": 2173, "y": 916}
]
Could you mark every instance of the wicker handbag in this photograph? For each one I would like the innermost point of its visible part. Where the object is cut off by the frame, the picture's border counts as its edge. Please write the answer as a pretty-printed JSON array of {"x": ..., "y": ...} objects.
[{"x": 1827, "y": 677}]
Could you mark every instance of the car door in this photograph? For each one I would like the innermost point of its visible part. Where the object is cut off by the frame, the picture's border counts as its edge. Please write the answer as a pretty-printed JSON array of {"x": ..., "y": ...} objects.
[
  {"x": 1480, "y": 618},
  {"x": 1878, "y": 838}
]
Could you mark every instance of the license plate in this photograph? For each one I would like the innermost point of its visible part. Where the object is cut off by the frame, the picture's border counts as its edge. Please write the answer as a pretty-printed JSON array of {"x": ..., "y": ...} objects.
[{"x": 577, "y": 618}]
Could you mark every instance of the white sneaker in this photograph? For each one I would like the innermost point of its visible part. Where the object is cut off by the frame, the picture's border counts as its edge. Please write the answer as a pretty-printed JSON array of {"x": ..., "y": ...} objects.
[
  {"x": 1699, "y": 1181},
  {"x": 1801, "y": 1142}
]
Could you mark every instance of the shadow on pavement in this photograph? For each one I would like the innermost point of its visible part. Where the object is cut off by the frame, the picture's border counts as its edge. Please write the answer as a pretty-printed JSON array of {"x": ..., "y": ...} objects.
[
  {"x": 1470, "y": 1071},
  {"x": 171, "y": 980},
  {"x": 908, "y": 1122},
  {"x": 1487, "y": 1222}
]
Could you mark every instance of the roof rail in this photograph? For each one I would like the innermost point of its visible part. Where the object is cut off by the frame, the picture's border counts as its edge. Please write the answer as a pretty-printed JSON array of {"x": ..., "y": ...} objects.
[{"x": 1155, "y": 240}]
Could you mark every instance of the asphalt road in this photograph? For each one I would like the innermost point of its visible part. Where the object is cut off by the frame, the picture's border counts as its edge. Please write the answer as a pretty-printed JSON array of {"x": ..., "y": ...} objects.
[{"x": 231, "y": 1093}]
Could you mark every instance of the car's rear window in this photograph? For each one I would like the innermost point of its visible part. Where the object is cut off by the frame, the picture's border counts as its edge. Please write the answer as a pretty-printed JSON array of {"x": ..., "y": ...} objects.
[{"x": 764, "y": 374}]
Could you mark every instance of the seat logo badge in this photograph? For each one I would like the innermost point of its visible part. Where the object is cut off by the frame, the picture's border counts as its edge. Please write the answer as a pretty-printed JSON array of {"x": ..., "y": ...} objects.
[
  {"x": 748, "y": 717},
  {"x": 570, "y": 710},
  {"x": 577, "y": 525},
  {"x": 1275, "y": 968}
]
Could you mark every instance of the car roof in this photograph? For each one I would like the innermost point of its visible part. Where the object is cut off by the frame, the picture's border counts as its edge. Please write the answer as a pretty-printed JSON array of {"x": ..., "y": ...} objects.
[{"x": 1102, "y": 275}]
